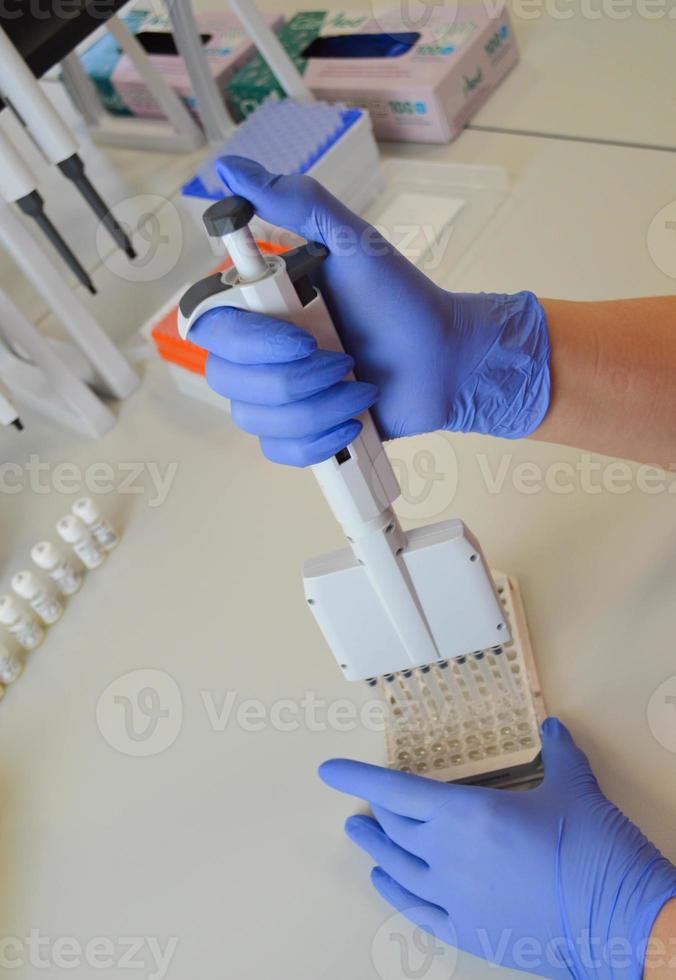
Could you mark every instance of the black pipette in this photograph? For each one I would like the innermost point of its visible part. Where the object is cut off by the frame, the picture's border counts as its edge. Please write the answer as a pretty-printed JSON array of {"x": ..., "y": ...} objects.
[
  {"x": 33, "y": 206},
  {"x": 22, "y": 92},
  {"x": 73, "y": 169}
]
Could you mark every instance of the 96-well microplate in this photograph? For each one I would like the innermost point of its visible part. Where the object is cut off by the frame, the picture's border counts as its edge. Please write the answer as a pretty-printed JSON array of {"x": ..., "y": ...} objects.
[{"x": 472, "y": 719}]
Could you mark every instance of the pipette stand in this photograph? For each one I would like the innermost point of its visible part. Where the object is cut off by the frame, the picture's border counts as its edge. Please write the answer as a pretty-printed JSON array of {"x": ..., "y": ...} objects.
[
  {"x": 114, "y": 376},
  {"x": 179, "y": 132},
  {"x": 40, "y": 380}
]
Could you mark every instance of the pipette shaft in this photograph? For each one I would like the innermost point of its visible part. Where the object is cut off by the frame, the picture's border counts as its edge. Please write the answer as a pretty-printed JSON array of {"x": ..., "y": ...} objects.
[
  {"x": 73, "y": 169},
  {"x": 18, "y": 185},
  {"x": 33, "y": 206},
  {"x": 26, "y": 98}
]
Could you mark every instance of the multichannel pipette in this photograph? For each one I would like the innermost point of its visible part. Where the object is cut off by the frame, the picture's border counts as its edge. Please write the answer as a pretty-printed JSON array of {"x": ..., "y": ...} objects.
[
  {"x": 23, "y": 94},
  {"x": 416, "y": 614},
  {"x": 393, "y": 601}
]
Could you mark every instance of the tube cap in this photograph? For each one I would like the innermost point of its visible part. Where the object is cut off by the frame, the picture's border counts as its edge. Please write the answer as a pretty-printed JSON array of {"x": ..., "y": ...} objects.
[
  {"x": 86, "y": 510},
  {"x": 71, "y": 529},
  {"x": 10, "y": 610},
  {"x": 45, "y": 555},
  {"x": 228, "y": 215},
  {"x": 26, "y": 585}
]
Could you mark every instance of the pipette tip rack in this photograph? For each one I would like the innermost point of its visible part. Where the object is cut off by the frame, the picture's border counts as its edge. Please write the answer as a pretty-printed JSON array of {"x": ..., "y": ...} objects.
[{"x": 285, "y": 136}]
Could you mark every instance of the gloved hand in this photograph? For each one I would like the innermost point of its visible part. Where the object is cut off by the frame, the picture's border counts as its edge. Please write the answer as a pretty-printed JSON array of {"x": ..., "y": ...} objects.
[
  {"x": 432, "y": 359},
  {"x": 555, "y": 881}
]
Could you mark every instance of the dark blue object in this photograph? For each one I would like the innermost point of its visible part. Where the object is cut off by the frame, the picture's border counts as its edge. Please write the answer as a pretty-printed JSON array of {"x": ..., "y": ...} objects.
[{"x": 362, "y": 45}]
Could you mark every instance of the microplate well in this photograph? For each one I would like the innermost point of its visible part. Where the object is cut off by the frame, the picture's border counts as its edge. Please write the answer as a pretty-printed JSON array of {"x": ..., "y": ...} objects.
[{"x": 473, "y": 719}]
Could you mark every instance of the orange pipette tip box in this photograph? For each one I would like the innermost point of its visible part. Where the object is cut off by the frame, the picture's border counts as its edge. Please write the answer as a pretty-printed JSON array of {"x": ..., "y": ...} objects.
[{"x": 171, "y": 347}]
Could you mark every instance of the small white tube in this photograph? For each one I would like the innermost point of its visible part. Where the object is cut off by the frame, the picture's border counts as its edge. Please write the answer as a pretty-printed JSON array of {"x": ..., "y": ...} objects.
[
  {"x": 469, "y": 679},
  {"x": 429, "y": 679},
  {"x": 28, "y": 587},
  {"x": 101, "y": 529},
  {"x": 506, "y": 676},
  {"x": 450, "y": 682},
  {"x": 21, "y": 623},
  {"x": 487, "y": 676},
  {"x": 65, "y": 576},
  {"x": 74, "y": 533},
  {"x": 11, "y": 667}
]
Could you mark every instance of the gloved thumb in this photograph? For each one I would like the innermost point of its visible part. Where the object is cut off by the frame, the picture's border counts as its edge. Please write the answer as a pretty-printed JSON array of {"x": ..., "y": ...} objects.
[
  {"x": 560, "y": 755},
  {"x": 296, "y": 202}
]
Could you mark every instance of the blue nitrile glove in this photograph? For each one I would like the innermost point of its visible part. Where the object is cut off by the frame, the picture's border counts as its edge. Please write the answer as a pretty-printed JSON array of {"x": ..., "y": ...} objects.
[
  {"x": 432, "y": 359},
  {"x": 555, "y": 881}
]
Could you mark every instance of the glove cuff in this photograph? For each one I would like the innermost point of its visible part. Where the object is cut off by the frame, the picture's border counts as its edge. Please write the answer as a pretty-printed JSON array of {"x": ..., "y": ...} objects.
[{"x": 507, "y": 394}]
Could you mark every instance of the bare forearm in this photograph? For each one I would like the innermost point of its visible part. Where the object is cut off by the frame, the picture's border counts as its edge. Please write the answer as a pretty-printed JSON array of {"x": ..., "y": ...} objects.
[
  {"x": 613, "y": 367},
  {"x": 660, "y": 958}
]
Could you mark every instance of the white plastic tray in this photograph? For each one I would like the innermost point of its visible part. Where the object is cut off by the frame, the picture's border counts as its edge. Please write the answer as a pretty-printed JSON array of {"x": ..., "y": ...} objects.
[
  {"x": 432, "y": 212},
  {"x": 457, "y": 752}
]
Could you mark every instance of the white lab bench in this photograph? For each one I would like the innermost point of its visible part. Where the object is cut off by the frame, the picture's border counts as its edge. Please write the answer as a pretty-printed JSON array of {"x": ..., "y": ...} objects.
[
  {"x": 227, "y": 840},
  {"x": 606, "y": 75}
]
